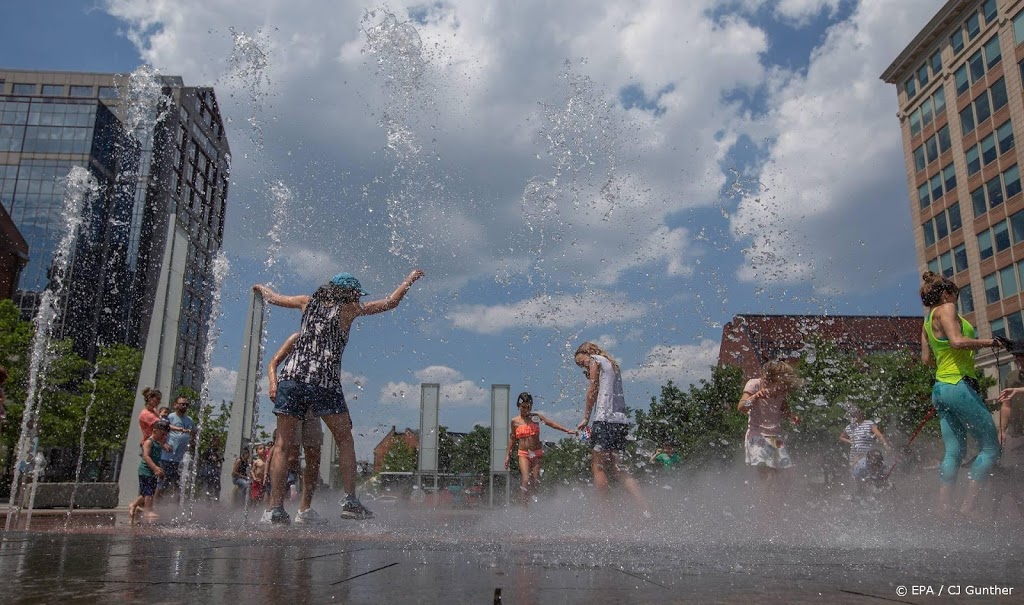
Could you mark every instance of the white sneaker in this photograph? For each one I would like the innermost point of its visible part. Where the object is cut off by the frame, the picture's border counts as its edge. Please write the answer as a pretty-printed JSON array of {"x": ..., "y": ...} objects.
[
  {"x": 275, "y": 516},
  {"x": 309, "y": 517}
]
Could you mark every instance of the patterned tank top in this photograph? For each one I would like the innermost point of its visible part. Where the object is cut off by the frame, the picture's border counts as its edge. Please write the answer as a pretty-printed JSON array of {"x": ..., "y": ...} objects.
[{"x": 316, "y": 357}]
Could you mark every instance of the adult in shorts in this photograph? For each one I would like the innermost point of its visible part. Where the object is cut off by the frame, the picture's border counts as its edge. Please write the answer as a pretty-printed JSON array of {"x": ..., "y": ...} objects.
[
  {"x": 310, "y": 378},
  {"x": 606, "y": 406}
]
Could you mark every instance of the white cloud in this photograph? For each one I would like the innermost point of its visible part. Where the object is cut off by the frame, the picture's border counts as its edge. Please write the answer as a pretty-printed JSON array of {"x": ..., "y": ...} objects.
[
  {"x": 588, "y": 309},
  {"x": 455, "y": 390},
  {"x": 222, "y": 383},
  {"x": 813, "y": 214},
  {"x": 682, "y": 364},
  {"x": 801, "y": 11}
]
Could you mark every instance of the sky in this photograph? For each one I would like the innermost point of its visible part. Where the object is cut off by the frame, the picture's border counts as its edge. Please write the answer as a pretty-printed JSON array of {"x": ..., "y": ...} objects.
[{"x": 634, "y": 173}]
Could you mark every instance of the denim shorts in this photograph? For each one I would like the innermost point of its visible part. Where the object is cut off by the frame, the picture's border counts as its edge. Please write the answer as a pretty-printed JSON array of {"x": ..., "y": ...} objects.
[
  {"x": 609, "y": 436},
  {"x": 147, "y": 485},
  {"x": 299, "y": 399}
]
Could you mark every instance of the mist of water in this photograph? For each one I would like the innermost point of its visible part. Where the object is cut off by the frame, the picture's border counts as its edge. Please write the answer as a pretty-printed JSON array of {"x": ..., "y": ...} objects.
[{"x": 249, "y": 63}]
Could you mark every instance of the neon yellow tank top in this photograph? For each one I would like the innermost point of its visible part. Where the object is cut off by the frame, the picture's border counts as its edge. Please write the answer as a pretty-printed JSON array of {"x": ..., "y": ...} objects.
[{"x": 950, "y": 364}]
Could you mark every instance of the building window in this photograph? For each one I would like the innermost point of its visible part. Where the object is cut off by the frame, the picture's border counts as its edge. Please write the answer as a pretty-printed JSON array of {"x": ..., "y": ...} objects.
[
  {"x": 1008, "y": 281},
  {"x": 915, "y": 122},
  {"x": 962, "y": 83},
  {"x": 988, "y": 149},
  {"x": 937, "y": 63},
  {"x": 973, "y": 160},
  {"x": 81, "y": 91},
  {"x": 1017, "y": 227},
  {"x": 966, "y": 300},
  {"x": 998, "y": 94},
  {"x": 973, "y": 26},
  {"x": 922, "y": 76},
  {"x": 946, "y": 264},
  {"x": 1001, "y": 235},
  {"x": 108, "y": 92},
  {"x": 982, "y": 108},
  {"x": 929, "y": 233},
  {"x": 978, "y": 202},
  {"x": 910, "y": 86},
  {"x": 957, "y": 41},
  {"x": 944, "y": 141},
  {"x": 998, "y": 328},
  {"x": 949, "y": 176},
  {"x": 1018, "y": 27},
  {"x": 976, "y": 66},
  {"x": 984, "y": 244},
  {"x": 991, "y": 282},
  {"x": 960, "y": 258},
  {"x": 19, "y": 88},
  {"x": 53, "y": 90},
  {"x": 919, "y": 162},
  {"x": 967, "y": 120},
  {"x": 994, "y": 190},
  {"x": 941, "y": 227},
  {"x": 936, "y": 186},
  {"x": 1005, "y": 135},
  {"x": 923, "y": 196},
  {"x": 939, "y": 99},
  {"x": 992, "y": 53},
  {"x": 931, "y": 148},
  {"x": 926, "y": 112},
  {"x": 989, "y": 9},
  {"x": 1011, "y": 181},
  {"x": 955, "y": 222}
]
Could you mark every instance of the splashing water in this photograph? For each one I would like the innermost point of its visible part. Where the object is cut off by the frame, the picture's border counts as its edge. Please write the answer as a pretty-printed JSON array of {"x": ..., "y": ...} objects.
[
  {"x": 79, "y": 187},
  {"x": 401, "y": 65},
  {"x": 282, "y": 198},
  {"x": 81, "y": 443},
  {"x": 142, "y": 101},
  {"x": 249, "y": 61},
  {"x": 220, "y": 270}
]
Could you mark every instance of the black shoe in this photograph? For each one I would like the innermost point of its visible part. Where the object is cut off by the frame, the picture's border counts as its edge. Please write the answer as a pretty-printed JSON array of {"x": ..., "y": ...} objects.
[{"x": 354, "y": 509}]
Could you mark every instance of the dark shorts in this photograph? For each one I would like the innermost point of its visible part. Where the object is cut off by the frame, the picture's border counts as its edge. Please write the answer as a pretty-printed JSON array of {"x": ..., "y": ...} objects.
[
  {"x": 171, "y": 474},
  {"x": 147, "y": 485},
  {"x": 609, "y": 436},
  {"x": 299, "y": 399}
]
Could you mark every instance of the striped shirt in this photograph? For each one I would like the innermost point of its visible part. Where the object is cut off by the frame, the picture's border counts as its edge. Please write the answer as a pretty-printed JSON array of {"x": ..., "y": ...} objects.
[{"x": 862, "y": 435}]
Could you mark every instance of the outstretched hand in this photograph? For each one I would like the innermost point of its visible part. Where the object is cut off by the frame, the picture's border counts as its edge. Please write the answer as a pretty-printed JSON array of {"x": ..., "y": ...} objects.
[{"x": 414, "y": 275}]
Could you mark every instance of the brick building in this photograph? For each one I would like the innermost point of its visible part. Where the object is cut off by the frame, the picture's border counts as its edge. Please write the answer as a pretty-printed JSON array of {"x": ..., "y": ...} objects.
[
  {"x": 411, "y": 438},
  {"x": 750, "y": 340}
]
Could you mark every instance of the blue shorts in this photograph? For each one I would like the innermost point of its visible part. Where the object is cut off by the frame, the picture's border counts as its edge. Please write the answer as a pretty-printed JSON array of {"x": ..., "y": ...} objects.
[
  {"x": 147, "y": 485},
  {"x": 609, "y": 436},
  {"x": 299, "y": 399}
]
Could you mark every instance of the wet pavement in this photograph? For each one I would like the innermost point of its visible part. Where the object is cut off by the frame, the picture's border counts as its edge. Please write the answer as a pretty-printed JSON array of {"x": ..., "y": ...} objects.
[{"x": 492, "y": 557}]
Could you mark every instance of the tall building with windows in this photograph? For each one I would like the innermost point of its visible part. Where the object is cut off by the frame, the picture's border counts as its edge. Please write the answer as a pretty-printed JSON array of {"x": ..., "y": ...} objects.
[
  {"x": 961, "y": 113},
  {"x": 177, "y": 171}
]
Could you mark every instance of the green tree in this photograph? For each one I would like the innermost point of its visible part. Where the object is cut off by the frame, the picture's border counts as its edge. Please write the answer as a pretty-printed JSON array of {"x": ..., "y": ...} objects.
[
  {"x": 702, "y": 421},
  {"x": 445, "y": 449},
  {"x": 473, "y": 453},
  {"x": 401, "y": 457},
  {"x": 215, "y": 425},
  {"x": 567, "y": 462}
]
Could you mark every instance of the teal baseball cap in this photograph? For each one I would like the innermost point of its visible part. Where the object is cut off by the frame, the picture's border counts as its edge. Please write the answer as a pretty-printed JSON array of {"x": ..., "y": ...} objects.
[{"x": 348, "y": 282}]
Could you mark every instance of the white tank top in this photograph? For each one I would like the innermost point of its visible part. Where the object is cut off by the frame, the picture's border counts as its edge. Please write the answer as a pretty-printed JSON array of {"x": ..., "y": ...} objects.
[{"x": 611, "y": 402}]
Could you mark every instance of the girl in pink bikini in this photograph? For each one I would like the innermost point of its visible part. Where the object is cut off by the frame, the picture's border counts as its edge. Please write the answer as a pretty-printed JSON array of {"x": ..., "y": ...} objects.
[{"x": 526, "y": 430}]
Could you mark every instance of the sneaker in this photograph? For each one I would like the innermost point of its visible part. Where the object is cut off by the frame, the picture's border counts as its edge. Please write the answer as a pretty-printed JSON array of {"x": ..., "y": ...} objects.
[
  {"x": 354, "y": 509},
  {"x": 309, "y": 517},
  {"x": 276, "y": 516}
]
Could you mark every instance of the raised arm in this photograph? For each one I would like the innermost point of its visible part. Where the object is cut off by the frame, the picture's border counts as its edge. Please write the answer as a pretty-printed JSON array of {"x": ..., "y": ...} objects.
[
  {"x": 276, "y": 360},
  {"x": 881, "y": 436},
  {"x": 296, "y": 301},
  {"x": 844, "y": 438},
  {"x": 386, "y": 304}
]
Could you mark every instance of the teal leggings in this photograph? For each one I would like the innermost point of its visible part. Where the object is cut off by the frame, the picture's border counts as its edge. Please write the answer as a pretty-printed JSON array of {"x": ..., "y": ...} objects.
[{"x": 961, "y": 411}]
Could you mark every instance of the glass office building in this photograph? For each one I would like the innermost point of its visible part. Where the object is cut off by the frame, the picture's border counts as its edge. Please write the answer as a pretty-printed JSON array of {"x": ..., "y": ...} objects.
[{"x": 52, "y": 121}]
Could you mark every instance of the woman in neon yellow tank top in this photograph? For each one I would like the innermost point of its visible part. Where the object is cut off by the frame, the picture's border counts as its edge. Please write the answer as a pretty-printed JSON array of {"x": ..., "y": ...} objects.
[{"x": 949, "y": 340}]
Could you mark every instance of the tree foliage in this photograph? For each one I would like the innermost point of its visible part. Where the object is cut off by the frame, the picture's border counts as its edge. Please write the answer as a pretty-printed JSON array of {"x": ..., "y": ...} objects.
[
  {"x": 401, "y": 457},
  {"x": 567, "y": 462},
  {"x": 473, "y": 453}
]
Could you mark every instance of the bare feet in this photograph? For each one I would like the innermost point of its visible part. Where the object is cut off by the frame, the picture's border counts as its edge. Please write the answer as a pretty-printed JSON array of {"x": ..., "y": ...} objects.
[{"x": 133, "y": 510}]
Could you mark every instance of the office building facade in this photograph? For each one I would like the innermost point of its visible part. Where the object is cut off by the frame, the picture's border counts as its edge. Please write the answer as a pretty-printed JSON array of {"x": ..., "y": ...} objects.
[
  {"x": 961, "y": 114},
  {"x": 176, "y": 171}
]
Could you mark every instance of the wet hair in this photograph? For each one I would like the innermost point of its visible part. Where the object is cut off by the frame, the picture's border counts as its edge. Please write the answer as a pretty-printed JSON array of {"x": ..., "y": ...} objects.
[
  {"x": 331, "y": 295},
  {"x": 524, "y": 398},
  {"x": 589, "y": 348},
  {"x": 781, "y": 373},
  {"x": 148, "y": 392},
  {"x": 934, "y": 286},
  {"x": 162, "y": 425}
]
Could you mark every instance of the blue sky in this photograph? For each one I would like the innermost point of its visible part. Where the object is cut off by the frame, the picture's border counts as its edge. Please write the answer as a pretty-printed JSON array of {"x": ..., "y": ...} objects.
[{"x": 634, "y": 173}]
